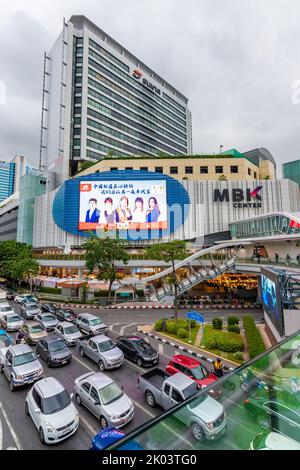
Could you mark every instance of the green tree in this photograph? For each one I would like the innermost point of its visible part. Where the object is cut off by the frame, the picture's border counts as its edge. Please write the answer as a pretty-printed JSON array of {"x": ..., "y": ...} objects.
[
  {"x": 102, "y": 255},
  {"x": 170, "y": 252},
  {"x": 16, "y": 261}
]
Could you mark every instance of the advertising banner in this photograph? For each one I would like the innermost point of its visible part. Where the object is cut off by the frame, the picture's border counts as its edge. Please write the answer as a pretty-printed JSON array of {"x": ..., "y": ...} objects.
[{"x": 123, "y": 204}]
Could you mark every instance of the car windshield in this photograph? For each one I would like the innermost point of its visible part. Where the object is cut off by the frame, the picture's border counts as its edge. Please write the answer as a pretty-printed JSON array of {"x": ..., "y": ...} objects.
[
  {"x": 106, "y": 345},
  {"x": 71, "y": 329},
  {"x": 199, "y": 373},
  {"x": 24, "y": 358},
  {"x": 110, "y": 393},
  {"x": 194, "y": 403},
  {"x": 48, "y": 318},
  {"x": 144, "y": 347},
  {"x": 35, "y": 329},
  {"x": 6, "y": 308},
  {"x": 95, "y": 321},
  {"x": 30, "y": 307},
  {"x": 13, "y": 319},
  {"x": 190, "y": 390},
  {"x": 55, "y": 403},
  {"x": 66, "y": 313},
  {"x": 57, "y": 346}
]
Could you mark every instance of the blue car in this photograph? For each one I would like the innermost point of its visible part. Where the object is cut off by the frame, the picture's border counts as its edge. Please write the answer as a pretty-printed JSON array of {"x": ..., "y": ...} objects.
[
  {"x": 5, "y": 338},
  {"x": 109, "y": 436}
]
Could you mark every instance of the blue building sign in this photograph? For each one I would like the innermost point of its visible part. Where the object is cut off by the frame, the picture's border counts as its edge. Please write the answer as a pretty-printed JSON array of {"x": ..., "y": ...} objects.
[{"x": 195, "y": 316}]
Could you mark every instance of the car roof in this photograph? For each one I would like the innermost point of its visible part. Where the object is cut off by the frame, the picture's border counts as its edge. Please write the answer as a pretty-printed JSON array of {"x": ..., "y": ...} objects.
[
  {"x": 46, "y": 314},
  {"x": 52, "y": 339},
  {"x": 132, "y": 338},
  {"x": 99, "y": 380},
  {"x": 186, "y": 361},
  {"x": 180, "y": 380},
  {"x": 64, "y": 324},
  {"x": 30, "y": 304},
  {"x": 100, "y": 338},
  {"x": 32, "y": 323},
  {"x": 8, "y": 315},
  {"x": 276, "y": 441},
  {"x": 20, "y": 349},
  {"x": 89, "y": 316},
  {"x": 49, "y": 386}
]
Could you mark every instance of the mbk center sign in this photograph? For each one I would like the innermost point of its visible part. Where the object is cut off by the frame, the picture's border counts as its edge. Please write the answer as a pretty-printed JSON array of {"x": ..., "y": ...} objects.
[{"x": 240, "y": 198}]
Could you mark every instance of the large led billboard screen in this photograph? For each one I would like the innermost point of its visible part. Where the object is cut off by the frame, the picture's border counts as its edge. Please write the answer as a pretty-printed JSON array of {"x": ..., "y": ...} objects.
[
  {"x": 271, "y": 298},
  {"x": 123, "y": 204}
]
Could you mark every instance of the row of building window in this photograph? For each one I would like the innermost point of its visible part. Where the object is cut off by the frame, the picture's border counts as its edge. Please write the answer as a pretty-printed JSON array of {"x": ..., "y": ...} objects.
[
  {"x": 141, "y": 136},
  {"x": 115, "y": 143},
  {"x": 106, "y": 110},
  {"x": 140, "y": 104},
  {"x": 132, "y": 84},
  {"x": 189, "y": 170},
  {"x": 111, "y": 57},
  {"x": 102, "y": 148}
]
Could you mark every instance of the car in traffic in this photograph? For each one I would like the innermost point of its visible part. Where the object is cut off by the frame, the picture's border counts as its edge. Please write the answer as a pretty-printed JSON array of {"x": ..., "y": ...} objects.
[
  {"x": 48, "y": 308},
  {"x": 29, "y": 311},
  {"x": 281, "y": 412},
  {"x": 10, "y": 295},
  {"x": 4, "y": 337},
  {"x": 109, "y": 436},
  {"x": 101, "y": 350},
  {"x": 21, "y": 298},
  {"x": 273, "y": 441},
  {"x": 137, "y": 350},
  {"x": 33, "y": 332},
  {"x": 104, "y": 398},
  {"x": 204, "y": 416},
  {"x": 11, "y": 322},
  {"x": 52, "y": 411},
  {"x": 20, "y": 365},
  {"x": 68, "y": 332},
  {"x": 47, "y": 321},
  {"x": 196, "y": 371},
  {"x": 90, "y": 324},
  {"x": 54, "y": 351},
  {"x": 65, "y": 314},
  {"x": 5, "y": 309}
]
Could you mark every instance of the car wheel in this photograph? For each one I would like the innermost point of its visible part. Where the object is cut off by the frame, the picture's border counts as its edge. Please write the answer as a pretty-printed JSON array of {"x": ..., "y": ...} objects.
[
  {"x": 1, "y": 368},
  {"x": 101, "y": 366},
  {"x": 26, "y": 408},
  {"x": 11, "y": 385},
  {"x": 197, "y": 432},
  {"x": 150, "y": 399},
  {"x": 263, "y": 421},
  {"x": 42, "y": 437},
  {"x": 78, "y": 399},
  {"x": 139, "y": 362},
  {"x": 81, "y": 352},
  {"x": 103, "y": 422}
]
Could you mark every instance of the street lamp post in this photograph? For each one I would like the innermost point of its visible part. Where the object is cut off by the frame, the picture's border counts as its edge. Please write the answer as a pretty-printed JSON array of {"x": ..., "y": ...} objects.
[{"x": 221, "y": 147}]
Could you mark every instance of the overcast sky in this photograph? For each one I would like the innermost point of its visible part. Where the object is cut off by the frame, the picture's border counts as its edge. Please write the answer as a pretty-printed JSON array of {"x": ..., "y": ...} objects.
[{"x": 235, "y": 60}]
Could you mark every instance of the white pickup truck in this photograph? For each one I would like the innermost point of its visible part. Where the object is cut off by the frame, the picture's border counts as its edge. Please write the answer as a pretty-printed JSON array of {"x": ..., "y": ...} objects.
[{"x": 205, "y": 416}]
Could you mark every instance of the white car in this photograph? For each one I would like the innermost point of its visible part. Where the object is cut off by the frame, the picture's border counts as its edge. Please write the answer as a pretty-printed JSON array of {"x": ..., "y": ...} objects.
[
  {"x": 21, "y": 297},
  {"x": 273, "y": 441},
  {"x": 11, "y": 322},
  {"x": 5, "y": 309},
  {"x": 52, "y": 411},
  {"x": 68, "y": 332}
]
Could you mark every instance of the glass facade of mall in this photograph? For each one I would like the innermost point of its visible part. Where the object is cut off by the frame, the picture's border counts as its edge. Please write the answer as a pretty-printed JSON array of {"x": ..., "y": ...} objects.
[
  {"x": 273, "y": 224},
  {"x": 7, "y": 179},
  {"x": 291, "y": 170},
  {"x": 259, "y": 398}
]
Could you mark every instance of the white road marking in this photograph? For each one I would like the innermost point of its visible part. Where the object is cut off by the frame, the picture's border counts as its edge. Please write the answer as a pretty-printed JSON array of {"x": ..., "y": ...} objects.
[
  {"x": 135, "y": 365},
  {"x": 83, "y": 364},
  {"x": 125, "y": 327},
  {"x": 160, "y": 348},
  {"x": 12, "y": 431},
  {"x": 89, "y": 426}
]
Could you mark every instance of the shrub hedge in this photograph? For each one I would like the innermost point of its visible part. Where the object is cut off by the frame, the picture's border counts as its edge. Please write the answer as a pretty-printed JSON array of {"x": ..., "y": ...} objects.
[
  {"x": 233, "y": 328},
  {"x": 158, "y": 325},
  {"x": 50, "y": 290},
  {"x": 217, "y": 323},
  {"x": 222, "y": 340},
  {"x": 238, "y": 356},
  {"x": 255, "y": 343},
  {"x": 233, "y": 321},
  {"x": 172, "y": 327},
  {"x": 182, "y": 333}
]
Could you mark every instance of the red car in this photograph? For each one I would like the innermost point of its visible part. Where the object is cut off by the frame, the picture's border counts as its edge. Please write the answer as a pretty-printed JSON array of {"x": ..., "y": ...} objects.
[{"x": 196, "y": 371}]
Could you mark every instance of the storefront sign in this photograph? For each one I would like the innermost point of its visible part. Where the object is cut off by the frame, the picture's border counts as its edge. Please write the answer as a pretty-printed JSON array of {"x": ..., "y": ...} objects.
[{"x": 241, "y": 198}]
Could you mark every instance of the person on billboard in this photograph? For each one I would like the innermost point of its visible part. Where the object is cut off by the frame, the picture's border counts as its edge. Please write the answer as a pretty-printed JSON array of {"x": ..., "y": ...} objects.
[
  {"x": 123, "y": 213},
  {"x": 138, "y": 214},
  {"x": 92, "y": 214},
  {"x": 109, "y": 213},
  {"x": 153, "y": 211}
]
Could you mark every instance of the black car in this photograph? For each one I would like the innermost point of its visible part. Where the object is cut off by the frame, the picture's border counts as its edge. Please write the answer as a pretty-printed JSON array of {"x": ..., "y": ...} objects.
[
  {"x": 65, "y": 314},
  {"x": 54, "y": 351},
  {"x": 49, "y": 308},
  {"x": 10, "y": 295},
  {"x": 138, "y": 350}
]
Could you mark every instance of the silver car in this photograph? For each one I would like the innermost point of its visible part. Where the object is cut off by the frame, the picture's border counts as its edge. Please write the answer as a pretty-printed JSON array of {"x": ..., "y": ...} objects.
[
  {"x": 90, "y": 324},
  {"x": 47, "y": 321},
  {"x": 68, "y": 332},
  {"x": 29, "y": 311},
  {"x": 12, "y": 322},
  {"x": 101, "y": 350},
  {"x": 104, "y": 398}
]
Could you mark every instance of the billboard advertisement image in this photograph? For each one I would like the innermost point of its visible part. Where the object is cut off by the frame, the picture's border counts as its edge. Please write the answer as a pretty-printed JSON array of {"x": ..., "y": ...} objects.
[
  {"x": 123, "y": 204},
  {"x": 271, "y": 298}
]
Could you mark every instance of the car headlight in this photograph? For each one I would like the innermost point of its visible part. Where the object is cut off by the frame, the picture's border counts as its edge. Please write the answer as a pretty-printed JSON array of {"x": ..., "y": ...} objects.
[
  {"x": 49, "y": 428},
  {"x": 210, "y": 426},
  {"x": 77, "y": 417},
  {"x": 19, "y": 377},
  {"x": 115, "y": 417}
]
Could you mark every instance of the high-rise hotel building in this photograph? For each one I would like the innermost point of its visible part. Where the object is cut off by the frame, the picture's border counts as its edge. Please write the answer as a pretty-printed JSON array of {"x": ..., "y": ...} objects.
[{"x": 100, "y": 100}]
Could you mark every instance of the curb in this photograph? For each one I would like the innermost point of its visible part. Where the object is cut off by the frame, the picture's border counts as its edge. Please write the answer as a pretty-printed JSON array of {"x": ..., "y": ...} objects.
[
  {"x": 182, "y": 348},
  {"x": 132, "y": 307}
]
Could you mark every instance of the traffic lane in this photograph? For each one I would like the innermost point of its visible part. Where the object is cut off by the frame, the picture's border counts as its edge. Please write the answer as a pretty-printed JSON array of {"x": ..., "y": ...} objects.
[{"x": 8, "y": 438}]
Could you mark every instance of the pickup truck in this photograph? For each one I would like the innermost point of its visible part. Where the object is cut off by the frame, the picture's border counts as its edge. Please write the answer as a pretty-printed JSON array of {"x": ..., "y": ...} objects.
[
  {"x": 101, "y": 350},
  {"x": 20, "y": 365},
  {"x": 205, "y": 417}
]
